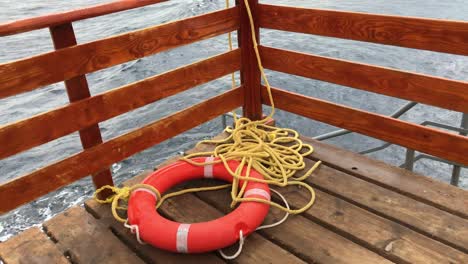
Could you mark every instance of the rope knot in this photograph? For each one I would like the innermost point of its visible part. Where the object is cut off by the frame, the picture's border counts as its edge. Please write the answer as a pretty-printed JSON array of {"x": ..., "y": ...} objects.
[{"x": 122, "y": 194}]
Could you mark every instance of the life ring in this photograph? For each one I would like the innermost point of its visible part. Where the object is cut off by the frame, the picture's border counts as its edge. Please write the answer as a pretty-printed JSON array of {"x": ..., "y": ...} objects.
[{"x": 198, "y": 237}]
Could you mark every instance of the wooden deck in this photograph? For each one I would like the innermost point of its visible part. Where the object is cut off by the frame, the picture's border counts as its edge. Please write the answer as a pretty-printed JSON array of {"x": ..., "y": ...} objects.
[{"x": 366, "y": 212}]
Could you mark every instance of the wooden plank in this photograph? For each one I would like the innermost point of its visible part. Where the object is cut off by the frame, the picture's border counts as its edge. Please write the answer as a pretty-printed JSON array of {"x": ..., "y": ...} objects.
[
  {"x": 250, "y": 73},
  {"x": 27, "y": 74},
  {"x": 428, "y": 220},
  {"x": 418, "y": 187},
  {"x": 31, "y": 246},
  {"x": 47, "y": 179},
  {"x": 257, "y": 249},
  {"x": 28, "y": 133},
  {"x": 189, "y": 208},
  {"x": 425, "y": 89},
  {"x": 148, "y": 253},
  {"x": 319, "y": 245},
  {"x": 63, "y": 36},
  {"x": 87, "y": 240},
  {"x": 312, "y": 242},
  {"x": 432, "y": 141},
  {"x": 29, "y": 24},
  {"x": 390, "y": 239},
  {"x": 387, "y": 238},
  {"x": 420, "y": 33}
]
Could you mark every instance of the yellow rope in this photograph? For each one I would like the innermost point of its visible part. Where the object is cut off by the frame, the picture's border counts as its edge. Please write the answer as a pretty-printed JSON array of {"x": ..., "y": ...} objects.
[
  {"x": 276, "y": 153},
  {"x": 122, "y": 194}
]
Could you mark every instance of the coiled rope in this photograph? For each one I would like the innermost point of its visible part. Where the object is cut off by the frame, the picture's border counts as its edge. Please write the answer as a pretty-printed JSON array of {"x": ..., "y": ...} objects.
[{"x": 277, "y": 153}]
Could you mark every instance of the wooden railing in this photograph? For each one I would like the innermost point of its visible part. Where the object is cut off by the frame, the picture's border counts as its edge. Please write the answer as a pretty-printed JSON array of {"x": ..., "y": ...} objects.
[
  {"x": 85, "y": 111},
  {"x": 63, "y": 18},
  {"x": 428, "y": 34}
]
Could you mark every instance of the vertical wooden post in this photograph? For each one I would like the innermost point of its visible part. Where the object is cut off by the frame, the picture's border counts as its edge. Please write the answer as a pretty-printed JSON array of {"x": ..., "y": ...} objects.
[
  {"x": 63, "y": 36},
  {"x": 250, "y": 73}
]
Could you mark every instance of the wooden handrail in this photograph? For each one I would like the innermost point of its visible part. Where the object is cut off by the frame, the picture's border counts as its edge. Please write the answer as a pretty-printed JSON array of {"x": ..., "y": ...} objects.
[
  {"x": 37, "y": 130},
  {"x": 50, "y": 20},
  {"x": 40, "y": 182},
  {"x": 28, "y": 74},
  {"x": 432, "y": 141},
  {"x": 419, "y": 33},
  {"x": 421, "y": 88}
]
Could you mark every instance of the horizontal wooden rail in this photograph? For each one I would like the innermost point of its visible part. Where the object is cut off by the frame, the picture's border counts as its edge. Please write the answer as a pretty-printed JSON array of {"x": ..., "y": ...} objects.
[
  {"x": 50, "y": 178},
  {"x": 432, "y": 141},
  {"x": 419, "y": 33},
  {"x": 38, "y": 130},
  {"x": 51, "y": 20},
  {"x": 27, "y": 74},
  {"x": 425, "y": 89}
]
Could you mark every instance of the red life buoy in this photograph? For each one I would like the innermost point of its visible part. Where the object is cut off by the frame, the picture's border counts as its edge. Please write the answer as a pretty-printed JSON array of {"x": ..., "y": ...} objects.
[{"x": 198, "y": 237}]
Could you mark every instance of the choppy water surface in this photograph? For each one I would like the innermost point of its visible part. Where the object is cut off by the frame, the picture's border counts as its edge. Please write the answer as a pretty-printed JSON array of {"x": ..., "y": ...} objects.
[{"x": 41, "y": 100}]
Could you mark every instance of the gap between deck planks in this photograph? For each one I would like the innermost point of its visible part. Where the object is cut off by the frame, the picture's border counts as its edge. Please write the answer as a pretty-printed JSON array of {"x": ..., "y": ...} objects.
[
  {"x": 418, "y": 187},
  {"x": 189, "y": 208},
  {"x": 344, "y": 226},
  {"x": 31, "y": 246},
  {"x": 394, "y": 239}
]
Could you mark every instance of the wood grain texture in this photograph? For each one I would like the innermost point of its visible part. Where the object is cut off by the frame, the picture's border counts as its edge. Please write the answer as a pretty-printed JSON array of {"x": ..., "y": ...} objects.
[
  {"x": 190, "y": 209},
  {"x": 421, "y": 88},
  {"x": 50, "y": 178},
  {"x": 392, "y": 240},
  {"x": 258, "y": 249},
  {"x": 419, "y": 33},
  {"x": 432, "y": 141},
  {"x": 63, "y": 36},
  {"x": 87, "y": 240},
  {"x": 79, "y": 115},
  {"x": 353, "y": 222},
  {"x": 304, "y": 238},
  {"x": 312, "y": 242},
  {"x": 146, "y": 252},
  {"x": 428, "y": 220},
  {"x": 50, "y": 20},
  {"x": 422, "y": 188},
  {"x": 250, "y": 73},
  {"x": 27, "y": 74},
  {"x": 399, "y": 242},
  {"x": 31, "y": 246}
]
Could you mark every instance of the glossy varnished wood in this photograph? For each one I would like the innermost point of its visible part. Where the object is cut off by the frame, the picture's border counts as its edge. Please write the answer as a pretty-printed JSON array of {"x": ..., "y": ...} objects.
[
  {"x": 52, "y": 177},
  {"x": 419, "y": 33},
  {"x": 63, "y": 36},
  {"x": 25, "y": 134},
  {"x": 27, "y": 74},
  {"x": 421, "y": 88},
  {"x": 250, "y": 73},
  {"x": 432, "y": 141},
  {"x": 24, "y": 25}
]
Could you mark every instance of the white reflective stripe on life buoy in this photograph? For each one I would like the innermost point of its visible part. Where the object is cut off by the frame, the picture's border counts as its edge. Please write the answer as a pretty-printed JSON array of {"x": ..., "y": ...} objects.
[
  {"x": 208, "y": 169},
  {"x": 257, "y": 191},
  {"x": 182, "y": 238},
  {"x": 147, "y": 191}
]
